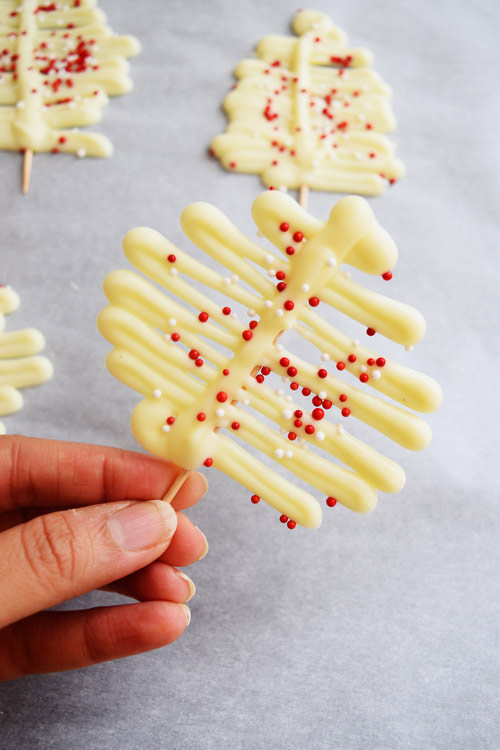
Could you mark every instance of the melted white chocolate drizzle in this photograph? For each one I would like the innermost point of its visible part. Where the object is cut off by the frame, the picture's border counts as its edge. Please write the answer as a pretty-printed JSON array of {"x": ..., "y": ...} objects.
[
  {"x": 59, "y": 62},
  {"x": 310, "y": 111},
  {"x": 20, "y": 363},
  {"x": 194, "y": 367}
]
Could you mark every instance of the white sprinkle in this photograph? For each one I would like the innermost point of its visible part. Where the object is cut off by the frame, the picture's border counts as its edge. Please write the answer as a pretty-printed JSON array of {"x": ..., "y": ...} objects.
[
  {"x": 220, "y": 413},
  {"x": 361, "y": 116},
  {"x": 279, "y": 453},
  {"x": 376, "y": 374},
  {"x": 409, "y": 348},
  {"x": 279, "y": 313},
  {"x": 358, "y": 155},
  {"x": 172, "y": 322},
  {"x": 279, "y": 391},
  {"x": 20, "y": 104},
  {"x": 283, "y": 431},
  {"x": 167, "y": 337},
  {"x": 283, "y": 188},
  {"x": 269, "y": 258},
  {"x": 363, "y": 368},
  {"x": 289, "y": 399},
  {"x": 288, "y": 454},
  {"x": 81, "y": 153},
  {"x": 234, "y": 278},
  {"x": 234, "y": 315},
  {"x": 305, "y": 287},
  {"x": 289, "y": 326},
  {"x": 284, "y": 379},
  {"x": 287, "y": 413},
  {"x": 268, "y": 303},
  {"x": 331, "y": 262},
  {"x": 226, "y": 280},
  {"x": 340, "y": 429},
  {"x": 246, "y": 401},
  {"x": 322, "y": 394},
  {"x": 157, "y": 393},
  {"x": 325, "y": 357},
  {"x": 301, "y": 441},
  {"x": 271, "y": 273},
  {"x": 165, "y": 428},
  {"x": 251, "y": 313},
  {"x": 320, "y": 436},
  {"x": 71, "y": 105},
  {"x": 59, "y": 22},
  {"x": 355, "y": 342},
  {"x": 173, "y": 271},
  {"x": 260, "y": 234},
  {"x": 279, "y": 347}
]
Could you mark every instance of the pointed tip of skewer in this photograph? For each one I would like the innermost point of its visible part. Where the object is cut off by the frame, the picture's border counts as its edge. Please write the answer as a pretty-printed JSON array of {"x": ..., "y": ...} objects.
[
  {"x": 27, "y": 165},
  {"x": 303, "y": 196}
]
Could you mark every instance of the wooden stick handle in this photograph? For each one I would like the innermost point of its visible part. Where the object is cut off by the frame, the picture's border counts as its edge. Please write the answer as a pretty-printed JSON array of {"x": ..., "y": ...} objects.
[
  {"x": 27, "y": 165},
  {"x": 177, "y": 484},
  {"x": 303, "y": 196}
]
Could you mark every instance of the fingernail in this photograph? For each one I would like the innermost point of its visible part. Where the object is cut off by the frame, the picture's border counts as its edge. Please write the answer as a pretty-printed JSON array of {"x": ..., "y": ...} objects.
[
  {"x": 205, "y": 544},
  {"x": 190, "y": 583},
  {"x": 205, "y": 483},
  {"x": 143, "y": 525},
  {"x": 187, "y": 613}
]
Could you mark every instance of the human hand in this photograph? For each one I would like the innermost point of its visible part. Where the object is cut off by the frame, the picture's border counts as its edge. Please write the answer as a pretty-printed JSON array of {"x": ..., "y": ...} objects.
[{"x": 70, "y": 522}]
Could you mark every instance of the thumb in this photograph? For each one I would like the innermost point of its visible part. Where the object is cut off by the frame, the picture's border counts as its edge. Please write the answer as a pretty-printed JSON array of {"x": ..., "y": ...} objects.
[{"x": 61, "y": 555}]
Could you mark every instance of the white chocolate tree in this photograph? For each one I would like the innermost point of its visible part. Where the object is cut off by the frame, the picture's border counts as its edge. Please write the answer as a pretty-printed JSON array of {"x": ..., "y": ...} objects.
[
  {"x": 310, "y": 111},
  {"x": 59, "y": 62},
  {"x": 194, "y": 362},
  {"x": 20, "y": 363}
]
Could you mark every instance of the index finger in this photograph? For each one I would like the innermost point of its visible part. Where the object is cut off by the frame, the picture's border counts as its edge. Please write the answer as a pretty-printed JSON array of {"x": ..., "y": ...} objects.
[{"x": 36, "y": 472}]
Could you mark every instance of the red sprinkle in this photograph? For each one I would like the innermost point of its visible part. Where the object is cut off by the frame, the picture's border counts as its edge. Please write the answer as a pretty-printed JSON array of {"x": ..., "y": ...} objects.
[
  {"x": 292, "y": 436},
  {"x": 363, "y": 377},
  {"x": 331, "y": 502},
  {"x": 340, "y": 366},
  {"x": 309, "y": 428},
  {"x": 255, "y": 499},
  {"x": 235, "y": 426},
  {"x": 201, "y": 417},
  {"x": 175, "y": 337},
  {"x": 198, "y": 362},
  {"x": 171, "y": 258},
  {"x": 298, "y": 237},
  {"x": 318, "y": 414},
  {"x": 298, "y": 413},
  {"x": 62, "y": 139},
  {"x": 291, "y": 524},
  {"x": 259, "y": 378},
  {"x": 283, "y": 518},
  {"x": 208, "y": 462},
  {"x": 317, "y": 401},
  {"x": 352, "y": 358},
  {"x": 345, "y": 412},
  {"x": 284, "y": 361},
  {"x": 342, "y": 397},
  {"x": 322, "y": 373},
  {"x": 327, "y": 404},
  {"x": 370, "y": 361},
  {"x": 306, "y": 391},
  {"x": 221, "y": 397},
  {"x": 284, "y": 227},
  {"x": 313, "y": 301},
  {"x": 294, "y": 386},
  {"x": 281, "y": 286},
  {"x": 194, "y": 354},
  {"x": 387, "y": 276},
  {"x": 225, "y": 372},
  {"x": 289, "y": 305},
  {"x": 247, "y": 335},
  {"x": 203, "y": 317},
  {"x": 170, "y": 420},
  {"x": 265, "y": 370},
  {"x": 297, "y": 423},
  {"x": 371, "y": 331},
  {"x": 253, "y": 324},
  {"x": 226, "y": 310},
  {"x": 290, "y": 250},
  {"x": 280, "y": 275},
  {"x": 380, "y": 362},
  {"x": 292, "y": 371}
]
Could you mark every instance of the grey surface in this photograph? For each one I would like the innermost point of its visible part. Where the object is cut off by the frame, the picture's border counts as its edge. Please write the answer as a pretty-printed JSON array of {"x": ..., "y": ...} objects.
[{"x": 373, "y": 632}]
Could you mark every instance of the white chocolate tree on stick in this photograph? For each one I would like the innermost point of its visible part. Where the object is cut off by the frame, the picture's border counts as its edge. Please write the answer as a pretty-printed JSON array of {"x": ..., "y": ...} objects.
[
  {"x": 59, "y": 62},
  {"x": 195, "y": 362},
  {"x": 310, "y": 111},
  {"x": 20, "y": 363}
]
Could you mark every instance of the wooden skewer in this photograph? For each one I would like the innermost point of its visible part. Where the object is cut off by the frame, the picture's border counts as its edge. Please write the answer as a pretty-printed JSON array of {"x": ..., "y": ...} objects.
[
  {"x": 303, "y": 196},
  {"x": 184, "y": 473},
  {"x": 27, "y": 165}
]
